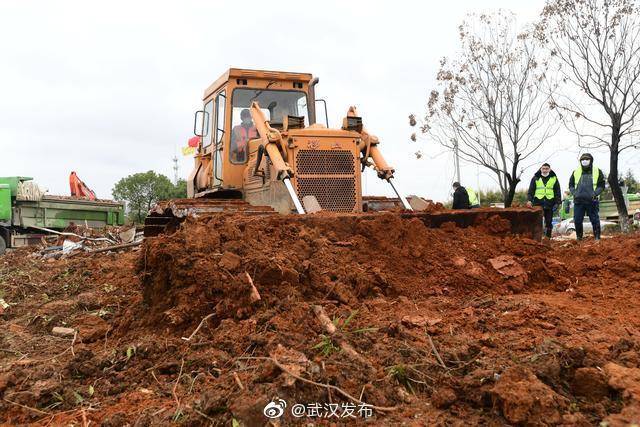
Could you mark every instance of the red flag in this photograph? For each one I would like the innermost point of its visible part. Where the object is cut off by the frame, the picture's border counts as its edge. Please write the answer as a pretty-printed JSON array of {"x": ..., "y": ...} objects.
[{"x": 193, "y": 142}]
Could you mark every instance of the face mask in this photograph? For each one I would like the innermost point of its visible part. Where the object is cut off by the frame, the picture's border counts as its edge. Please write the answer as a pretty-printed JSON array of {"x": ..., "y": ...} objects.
[
  {"x": 545, "y": 174},
  {"x": 585, "y": 163},
  {"x": 246, "y": 121}
]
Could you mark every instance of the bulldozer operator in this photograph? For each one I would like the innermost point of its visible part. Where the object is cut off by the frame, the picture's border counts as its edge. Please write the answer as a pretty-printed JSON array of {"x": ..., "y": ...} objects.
[{"x": 240, "y": 135}]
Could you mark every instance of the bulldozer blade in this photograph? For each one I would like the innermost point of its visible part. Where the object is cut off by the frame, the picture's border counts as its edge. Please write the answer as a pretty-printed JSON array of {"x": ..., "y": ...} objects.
[
  {"x": 167, "y": 215},
  {"x": 522, "y": 221},
  {"x": 497, "y": 221}
]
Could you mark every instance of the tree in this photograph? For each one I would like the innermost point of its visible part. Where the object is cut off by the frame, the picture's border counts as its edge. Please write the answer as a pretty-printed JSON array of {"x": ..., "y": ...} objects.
[
  {"x": 633, "y": 186},
  {"x": 141, "y": 191},
  {"x": 179, "y": 190},
  {"x": 597, "y": 46},
  {"x": 487, "y": 197},
  {"x": 488, "y": 107}
]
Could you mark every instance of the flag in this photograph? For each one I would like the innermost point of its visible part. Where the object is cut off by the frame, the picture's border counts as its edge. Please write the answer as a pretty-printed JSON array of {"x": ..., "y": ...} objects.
[{"x": 188, "y": 151}]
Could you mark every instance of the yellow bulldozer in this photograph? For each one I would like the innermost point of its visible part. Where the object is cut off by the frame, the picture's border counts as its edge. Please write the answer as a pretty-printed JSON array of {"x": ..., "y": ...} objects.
[{"x": 262, "y": 151}]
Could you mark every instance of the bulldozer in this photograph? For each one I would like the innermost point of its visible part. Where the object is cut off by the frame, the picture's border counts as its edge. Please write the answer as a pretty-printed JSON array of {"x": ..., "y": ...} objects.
[{"x": 262, "y": 151}]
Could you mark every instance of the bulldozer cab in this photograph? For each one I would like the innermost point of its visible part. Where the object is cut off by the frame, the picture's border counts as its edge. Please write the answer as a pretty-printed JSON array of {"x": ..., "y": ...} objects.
[
  {"x": 225, "y": 125},
  {"x": 275, "y": 105}
]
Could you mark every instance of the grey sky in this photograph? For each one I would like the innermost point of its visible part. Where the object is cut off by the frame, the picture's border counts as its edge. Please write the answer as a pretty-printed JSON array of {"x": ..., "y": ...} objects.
[{"x": 109, "y": 89}]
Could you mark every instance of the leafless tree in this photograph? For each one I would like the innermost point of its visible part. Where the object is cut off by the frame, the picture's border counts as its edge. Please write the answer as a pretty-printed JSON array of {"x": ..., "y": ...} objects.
[
  {"x": 597, "y": 46},
  {"x": 488, "y": 105}
]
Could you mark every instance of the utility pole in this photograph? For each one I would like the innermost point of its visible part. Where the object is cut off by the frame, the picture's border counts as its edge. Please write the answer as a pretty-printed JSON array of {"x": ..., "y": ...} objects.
[
  {"x": 457, "y": 160},
  {"x": 478, "y": 183},
  {"x": 175, "y": 170}
]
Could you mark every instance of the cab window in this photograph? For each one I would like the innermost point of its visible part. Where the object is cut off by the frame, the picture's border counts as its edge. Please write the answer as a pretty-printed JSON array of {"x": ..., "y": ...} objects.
[
  {"x": 276, "y": 104},
  {"x": 221, "y": 101},
  {"x": 208, "y": 123}
]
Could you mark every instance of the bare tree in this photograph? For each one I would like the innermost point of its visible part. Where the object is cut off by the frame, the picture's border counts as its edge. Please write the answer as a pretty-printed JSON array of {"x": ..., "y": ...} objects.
[
  {"x": 488, "y": 105},
  {"x": 597, "y": 46}
]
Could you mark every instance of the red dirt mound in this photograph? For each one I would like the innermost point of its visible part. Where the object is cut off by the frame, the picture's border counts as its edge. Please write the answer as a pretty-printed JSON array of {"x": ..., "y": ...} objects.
[{"x": 203, "y": 268}]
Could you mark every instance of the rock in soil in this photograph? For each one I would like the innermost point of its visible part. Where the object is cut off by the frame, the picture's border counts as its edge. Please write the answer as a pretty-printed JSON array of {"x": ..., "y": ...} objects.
[
  {"x": 63, "y": 332},
  {"x": 523, "y": 399}
]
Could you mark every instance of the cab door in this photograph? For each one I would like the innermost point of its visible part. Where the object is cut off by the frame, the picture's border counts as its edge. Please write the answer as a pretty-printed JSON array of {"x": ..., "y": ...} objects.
[
  {"x": 201, "y": 176},
  {"x": 217, "y": 136}
]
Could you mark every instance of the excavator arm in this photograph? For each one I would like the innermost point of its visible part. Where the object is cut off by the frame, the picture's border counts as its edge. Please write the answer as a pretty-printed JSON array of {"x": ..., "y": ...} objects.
[
  {"x": 272, "y": 141},
  {"x": 79, "y": 189},
  {"x": 275, "y": 148},
  {"x": 368, "y": 146},
  {"x": 370, "y": 153}
]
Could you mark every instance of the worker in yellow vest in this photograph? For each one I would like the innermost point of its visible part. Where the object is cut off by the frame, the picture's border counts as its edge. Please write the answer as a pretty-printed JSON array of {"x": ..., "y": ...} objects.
[
  {"x": 474, "y": 201},
  {"x": 464, "y": 198},
  {"x": 460, "y": 197},
  {"x": 586, "y": 184},
  {"x": 544, "y": 191}
]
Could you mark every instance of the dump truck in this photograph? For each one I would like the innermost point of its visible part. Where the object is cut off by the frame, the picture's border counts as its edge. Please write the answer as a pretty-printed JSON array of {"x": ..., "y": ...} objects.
[
  {"x": 27, "y": 214},
  {"x": 262, "y": 151}
]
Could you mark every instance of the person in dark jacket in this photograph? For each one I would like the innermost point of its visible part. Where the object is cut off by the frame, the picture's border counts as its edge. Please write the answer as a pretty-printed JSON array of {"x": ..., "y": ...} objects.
[
  {"x": 586, "y": 184},
  {"x": 460, "y": 197},
  {"x": 544, "y": 191}
]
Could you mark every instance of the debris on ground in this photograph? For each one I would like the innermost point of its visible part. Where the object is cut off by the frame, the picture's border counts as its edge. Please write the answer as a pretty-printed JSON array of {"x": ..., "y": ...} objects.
[
  {"x": 63, "y": 332},
  {"x": 76, "y": 238},
  {"x": 231, "y": 316}
]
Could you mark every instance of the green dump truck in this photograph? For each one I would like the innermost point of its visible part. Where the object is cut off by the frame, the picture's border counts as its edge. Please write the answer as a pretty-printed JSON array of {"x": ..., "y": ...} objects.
[{"x": 25, "y": 216}]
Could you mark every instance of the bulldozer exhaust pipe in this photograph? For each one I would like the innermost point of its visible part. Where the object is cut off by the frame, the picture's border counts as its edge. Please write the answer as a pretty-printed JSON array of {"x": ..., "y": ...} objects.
[
  {"x": 403, "y": 199},
  {"x": 294, "y": 196}
]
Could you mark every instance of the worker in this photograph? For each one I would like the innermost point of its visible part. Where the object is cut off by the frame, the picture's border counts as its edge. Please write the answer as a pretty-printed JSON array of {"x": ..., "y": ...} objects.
[
  {"x": 240, "y": 135},
  {"x": 460, "y": 197},
  {"x": 544, "y": 191},
  {"x": 586, "y": 184},
  {"x": 474, "y": 202}
]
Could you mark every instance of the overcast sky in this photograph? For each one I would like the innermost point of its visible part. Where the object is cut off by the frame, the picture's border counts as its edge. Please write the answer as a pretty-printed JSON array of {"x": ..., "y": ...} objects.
[{"x": 109, "y": 88}]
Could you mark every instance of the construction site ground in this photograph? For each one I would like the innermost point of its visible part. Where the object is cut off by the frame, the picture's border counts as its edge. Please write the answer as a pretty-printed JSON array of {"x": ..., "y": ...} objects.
[{"x": 443, "y": 326}]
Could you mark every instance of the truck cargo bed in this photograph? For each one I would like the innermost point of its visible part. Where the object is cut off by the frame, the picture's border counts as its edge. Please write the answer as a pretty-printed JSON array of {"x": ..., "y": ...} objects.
[{"x": 58, "y": 212}]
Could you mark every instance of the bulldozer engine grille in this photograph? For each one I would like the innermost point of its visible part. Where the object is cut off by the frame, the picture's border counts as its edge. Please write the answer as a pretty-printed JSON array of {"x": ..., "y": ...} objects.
[
  {"x": 329, "y": 175},
  {"x": 325, "y": 162}
]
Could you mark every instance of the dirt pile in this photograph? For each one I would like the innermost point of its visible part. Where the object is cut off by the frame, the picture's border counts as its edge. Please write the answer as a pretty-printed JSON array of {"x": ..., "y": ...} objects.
[
  {"x": 347, "y": 259},
  {"x": 232, "y": 317}
]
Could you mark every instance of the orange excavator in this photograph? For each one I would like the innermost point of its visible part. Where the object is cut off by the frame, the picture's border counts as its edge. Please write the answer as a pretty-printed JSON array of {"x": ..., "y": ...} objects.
[{"x": 79, "y": 189}]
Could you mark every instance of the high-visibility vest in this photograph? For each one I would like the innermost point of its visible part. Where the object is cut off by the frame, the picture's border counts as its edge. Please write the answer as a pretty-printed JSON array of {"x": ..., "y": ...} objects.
[
  {"x": 473, "y": 198},
  {"x": 545, "y": 190},
  {"x": 595, "y": 174},
  {"x": 244, "y": 136}
]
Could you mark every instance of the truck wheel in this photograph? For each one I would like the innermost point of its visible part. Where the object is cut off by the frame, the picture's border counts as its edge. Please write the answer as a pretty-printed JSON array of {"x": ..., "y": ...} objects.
[{"x": 3, "y": 244}]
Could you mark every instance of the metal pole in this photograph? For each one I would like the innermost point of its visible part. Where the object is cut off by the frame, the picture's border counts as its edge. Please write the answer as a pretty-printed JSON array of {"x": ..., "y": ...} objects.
[
  {"x": 294, "y": 196},
  {"x": 404, "y": 201},
  {"x": 175, "y": 170},
  {"x": 478, "y": 184},
  {"x": 457, "y": 161}
]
